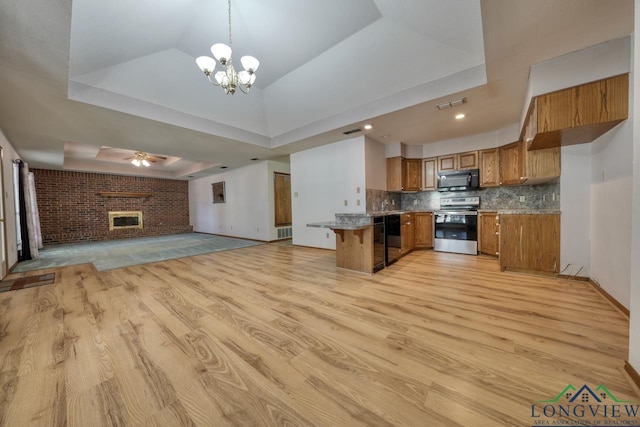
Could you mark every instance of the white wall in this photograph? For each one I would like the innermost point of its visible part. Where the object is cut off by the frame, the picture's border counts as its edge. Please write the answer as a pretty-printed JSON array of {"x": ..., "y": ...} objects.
[
  {"x": 634, "y": 324},
  {"x": 611, "y": 185},
  {"x": 8, "y": 156},
  {"x": 322, "y": 179},
  {"x": 474, "y": 142},
  {"x": 248, "y": 209},
  {"x": 575, "y": 205},
  {"x": 375, "y": 164}
]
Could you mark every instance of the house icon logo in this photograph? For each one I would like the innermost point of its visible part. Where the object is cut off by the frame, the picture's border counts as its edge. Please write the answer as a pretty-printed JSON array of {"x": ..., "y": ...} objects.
[{"x": 586, "y": 406}]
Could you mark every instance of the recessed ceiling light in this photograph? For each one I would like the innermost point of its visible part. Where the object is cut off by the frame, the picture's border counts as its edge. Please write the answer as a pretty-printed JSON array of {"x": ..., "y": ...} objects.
[
  {"x": 460, "y": 116},
  {"x": 368, "y": 126},
  {"x": 223, "y": 167},
  {"x": 386, "y": 136},
  {"x": 255, "y": 158}
]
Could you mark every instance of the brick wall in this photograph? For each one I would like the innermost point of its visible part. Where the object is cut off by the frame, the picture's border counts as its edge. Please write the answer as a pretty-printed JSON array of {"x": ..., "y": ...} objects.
[{"x": 71, "y": 210}]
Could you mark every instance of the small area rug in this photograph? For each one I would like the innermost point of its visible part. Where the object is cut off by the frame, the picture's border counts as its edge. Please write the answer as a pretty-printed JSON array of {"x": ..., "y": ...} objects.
[
  {"x": 27, "y": 282},
  {"x": 110, "y": 254}
]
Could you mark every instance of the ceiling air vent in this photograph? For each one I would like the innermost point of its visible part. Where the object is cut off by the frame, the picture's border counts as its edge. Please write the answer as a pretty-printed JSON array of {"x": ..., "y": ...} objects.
[
  {"x": 453, "y": 103},
  {"x": 349, "y": 132}
]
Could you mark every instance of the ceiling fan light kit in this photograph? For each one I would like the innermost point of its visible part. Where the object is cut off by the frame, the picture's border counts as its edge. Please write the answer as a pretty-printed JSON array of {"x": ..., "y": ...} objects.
[
  {"x": 228, "y": 79},
  {"x": 141, "y": 159}
]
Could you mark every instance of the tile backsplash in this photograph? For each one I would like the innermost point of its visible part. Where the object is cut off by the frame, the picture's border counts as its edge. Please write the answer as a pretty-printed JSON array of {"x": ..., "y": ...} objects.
[{"x": 539, "y": 196}]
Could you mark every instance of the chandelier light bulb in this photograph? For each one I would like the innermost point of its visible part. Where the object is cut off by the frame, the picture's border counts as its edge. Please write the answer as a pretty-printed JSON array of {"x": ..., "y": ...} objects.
[
  {"x": 244, "y": 77},
  {"x": 221, "y": 52},
  {"x": 145, "y": 163},
  {"x": 206, "y": 64},
  {"x": 136, "y": 162},
  {"x": 250, "y": 63}
]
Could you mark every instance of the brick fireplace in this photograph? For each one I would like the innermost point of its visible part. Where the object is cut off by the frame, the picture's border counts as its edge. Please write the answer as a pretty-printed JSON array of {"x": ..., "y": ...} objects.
[{"x": 76, "y": 206}]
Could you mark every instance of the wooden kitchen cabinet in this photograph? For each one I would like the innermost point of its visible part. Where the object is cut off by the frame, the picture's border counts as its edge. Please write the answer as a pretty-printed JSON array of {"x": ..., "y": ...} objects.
[
  {"x": 530, "y": 242},
  {"x": 512, "y": 165},
  {"x": 489, "y": 229},
  {"x": 407, "y": 233},
  {"x": 489, "y": 167},
  {"x": 541, "y": 165},
  {"x": 458, "y": 161},
  {"x": 468, "y": 160},
  {"x": 577, "y": 114},
  {"x": 430, "y": 174},
  {"x": 423, "y": 229},
  {"x": 396, "y": 171},
  {"x": 448, "y": 163},
  {"x": 413, "y": 175}
]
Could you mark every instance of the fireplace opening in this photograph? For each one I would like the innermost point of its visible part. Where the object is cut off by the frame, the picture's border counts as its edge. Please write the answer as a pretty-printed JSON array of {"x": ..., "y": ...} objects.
[{"x": 120, "y": 220}]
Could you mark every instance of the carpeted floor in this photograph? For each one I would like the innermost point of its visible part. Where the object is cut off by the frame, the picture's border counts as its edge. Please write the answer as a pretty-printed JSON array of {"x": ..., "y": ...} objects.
[
  {"x": 112, "y": 254},
  {"x": 27, "y": 282}
]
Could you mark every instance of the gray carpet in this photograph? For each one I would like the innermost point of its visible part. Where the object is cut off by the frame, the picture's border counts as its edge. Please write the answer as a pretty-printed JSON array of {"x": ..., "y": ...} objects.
[{"x": 123, "y": 253}]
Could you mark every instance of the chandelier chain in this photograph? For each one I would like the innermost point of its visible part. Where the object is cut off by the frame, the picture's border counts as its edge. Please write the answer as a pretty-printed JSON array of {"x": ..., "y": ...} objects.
[{"x": 229, "y": 9}]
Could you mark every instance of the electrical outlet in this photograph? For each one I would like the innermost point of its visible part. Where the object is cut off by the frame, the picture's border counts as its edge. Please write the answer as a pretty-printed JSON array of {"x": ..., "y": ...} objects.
[
  {"x": 258, "y": 229},
  {"x": 415, "y": 202},
  {"x": 358, "y": 190},
  {"x": 544, "y": 197},
  {"x": 393, "y": 202},
  {"x": 604, "y": 175},
  {"x": 295, "y": 194},
  {"x": 553, "y": 197},
  {"x": 522, "y": 199},
  {"x": 346, "y": 203},
  {"x": 327, "y": 235},
  {"x": 358, "y": 202}
]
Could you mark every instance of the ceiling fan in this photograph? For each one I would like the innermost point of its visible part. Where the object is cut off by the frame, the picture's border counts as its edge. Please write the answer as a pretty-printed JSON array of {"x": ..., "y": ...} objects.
[{"x": 140, "y": 158}]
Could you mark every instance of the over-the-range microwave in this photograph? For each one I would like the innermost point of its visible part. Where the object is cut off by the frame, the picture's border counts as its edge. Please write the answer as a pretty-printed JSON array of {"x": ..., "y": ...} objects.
[{"x": 459, "y": 180}]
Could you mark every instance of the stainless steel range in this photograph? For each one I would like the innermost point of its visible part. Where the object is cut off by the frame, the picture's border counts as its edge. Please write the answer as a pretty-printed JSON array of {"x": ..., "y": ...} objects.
[{"x": 456, "y": 225}]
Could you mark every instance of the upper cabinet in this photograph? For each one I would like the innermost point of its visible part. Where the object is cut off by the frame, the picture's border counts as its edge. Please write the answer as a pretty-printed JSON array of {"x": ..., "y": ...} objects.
[
  {"x": 489, "y": 167},
  {"x": 468, "y": 160},
  {"x": 396, "y": 171},
  {"x": 404, "y": 174},
  {"x": 512, "y": 164},
  {"x": 430, "y": 174},
  {"x": 458, "y": 162},
  {"x": 576, "y": 115},
  {"x": 413, "y": 175},
  {"x": 517, "y": 165}
]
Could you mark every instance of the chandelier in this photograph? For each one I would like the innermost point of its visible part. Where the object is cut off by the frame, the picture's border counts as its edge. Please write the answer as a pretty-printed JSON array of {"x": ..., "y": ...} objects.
[
  {"x": 141, "y": 159},
  {"x": 227, "y": 78}
]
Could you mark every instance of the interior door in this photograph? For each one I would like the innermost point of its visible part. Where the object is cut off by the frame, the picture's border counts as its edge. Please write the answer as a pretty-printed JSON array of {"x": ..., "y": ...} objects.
[{"x": 282, "y": 192}]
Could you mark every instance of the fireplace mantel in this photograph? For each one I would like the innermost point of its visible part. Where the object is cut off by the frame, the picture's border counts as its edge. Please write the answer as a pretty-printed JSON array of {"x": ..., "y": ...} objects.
[{"x": 122, "y": 194}]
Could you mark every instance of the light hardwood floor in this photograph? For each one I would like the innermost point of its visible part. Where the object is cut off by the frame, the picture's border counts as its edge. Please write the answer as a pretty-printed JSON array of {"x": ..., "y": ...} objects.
[{"x": 275, "y": 335}]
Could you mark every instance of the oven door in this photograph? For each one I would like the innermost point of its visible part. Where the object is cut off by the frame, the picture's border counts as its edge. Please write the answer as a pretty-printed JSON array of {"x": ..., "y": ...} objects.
[{"x": 456, "y": 232}]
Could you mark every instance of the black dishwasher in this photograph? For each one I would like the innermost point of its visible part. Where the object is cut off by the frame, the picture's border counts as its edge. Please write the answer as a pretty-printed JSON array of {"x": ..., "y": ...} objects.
[
  {"x": 393, "y": 238},
  {"x": 378, "y": 244}
]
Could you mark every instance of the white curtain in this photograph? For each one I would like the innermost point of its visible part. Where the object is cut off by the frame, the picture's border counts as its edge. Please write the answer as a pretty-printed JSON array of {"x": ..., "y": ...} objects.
[
  {"x": 33, "y": 237},
  {"x": 33, "y": 217}
]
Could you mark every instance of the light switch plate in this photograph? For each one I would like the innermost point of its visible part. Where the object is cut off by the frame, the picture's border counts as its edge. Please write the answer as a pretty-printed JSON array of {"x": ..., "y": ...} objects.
[
  {"x": 522, "y": 199},
  {"x": 346, "y": 203}
]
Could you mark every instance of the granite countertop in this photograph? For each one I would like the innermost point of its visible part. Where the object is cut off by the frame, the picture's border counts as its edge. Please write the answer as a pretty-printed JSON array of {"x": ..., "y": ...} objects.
[
  {"x": 371, "y": 214},
  {"x": 522, "y": 211},
  {"x": 339, "y": 226}
]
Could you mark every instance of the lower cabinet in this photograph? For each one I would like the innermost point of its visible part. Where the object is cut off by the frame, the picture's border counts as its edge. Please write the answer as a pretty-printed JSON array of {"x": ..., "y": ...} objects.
[
  {"x": 489, "y": 229},
  {"x": 530, "y": 242},
  {"x": 407, "y": 233},
  {"x": 423, "y": 229}
]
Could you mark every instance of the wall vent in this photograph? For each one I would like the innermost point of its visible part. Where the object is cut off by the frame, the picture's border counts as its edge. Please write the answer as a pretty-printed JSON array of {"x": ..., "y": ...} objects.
[
  {"x": 453, "y": 103},
  {"x": 284, "y": 233},
  {"x": 349, "y": 132}
]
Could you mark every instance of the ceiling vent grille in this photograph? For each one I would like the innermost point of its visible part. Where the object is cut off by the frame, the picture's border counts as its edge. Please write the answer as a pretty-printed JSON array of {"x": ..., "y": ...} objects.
[
  {"x": 453, "y": 103},
  {"x": 349, "y": 132}
]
